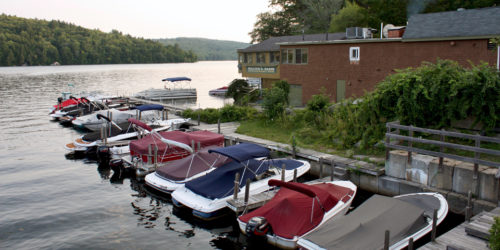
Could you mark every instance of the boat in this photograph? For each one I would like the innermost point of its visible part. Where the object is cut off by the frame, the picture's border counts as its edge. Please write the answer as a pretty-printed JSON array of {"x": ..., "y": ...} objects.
[
  {"x": 296, "y": 210},
  {"x": 174, "y": 90},
  {"x": 171, "y": 176},
  {"x": 207, "y": 196},
  {"x": 149, "y": 152},
  {"x": 219, "y": 92},
  {"x": 404, "y": 216},
  {"x": 94, "y": 123},
  {"x": 119, "y": 132}
]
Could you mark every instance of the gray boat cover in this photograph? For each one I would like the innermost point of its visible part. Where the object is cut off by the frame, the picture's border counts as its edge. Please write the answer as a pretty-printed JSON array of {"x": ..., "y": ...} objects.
[{"x": 364, "y": 228}]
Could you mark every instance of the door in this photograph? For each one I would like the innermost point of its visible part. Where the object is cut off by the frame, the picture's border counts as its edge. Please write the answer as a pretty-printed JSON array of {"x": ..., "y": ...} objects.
[
  {"x": 295, "y": 95},
  {"x": 340, "y": 90}
]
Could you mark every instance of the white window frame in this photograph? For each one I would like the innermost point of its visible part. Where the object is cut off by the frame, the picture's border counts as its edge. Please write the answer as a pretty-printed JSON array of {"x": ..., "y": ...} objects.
[{"x": 353, "y": 57}]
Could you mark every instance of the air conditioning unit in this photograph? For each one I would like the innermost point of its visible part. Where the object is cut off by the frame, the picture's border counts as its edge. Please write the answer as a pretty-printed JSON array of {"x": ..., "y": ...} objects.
[{"x": 358, "y": 33}]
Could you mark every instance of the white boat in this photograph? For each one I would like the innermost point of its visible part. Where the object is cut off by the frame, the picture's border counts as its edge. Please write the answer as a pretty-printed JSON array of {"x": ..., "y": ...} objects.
[
  {"x": 174, "y": 90},
  {"x": 208, "y": 195},
  {"x": 296, "y": 210},
  {"x": 148, "y": 113},
  {"x": 121, "y": 132},
  {"x": 405, "y": 216}
]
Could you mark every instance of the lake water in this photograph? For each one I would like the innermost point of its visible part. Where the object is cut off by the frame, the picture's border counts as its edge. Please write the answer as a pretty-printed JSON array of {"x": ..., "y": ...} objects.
[{"x": 49, "y": 200}]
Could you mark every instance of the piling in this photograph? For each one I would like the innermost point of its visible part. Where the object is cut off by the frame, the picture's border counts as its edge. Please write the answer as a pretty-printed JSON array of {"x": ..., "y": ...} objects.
[
  {"x": 156, "y": 156},
  {"x": 386, "y": 240},
  {"x": 236, "y": 185},
  {"x": 410, "y": 244},
  {"x": 295, "y": 175},
  {"x": 149, "y": 153},
  {"x": 332, "y": 171},
  {"x": 247, "y": 190},
  {"x": 434, "y": 221},
  {"x": 218, "y": 126},
  {"x": 321, "y": 168},
  {"x": 283, "y": 172},
  {"x": 468, "y": 208},
  {"x": 198, "y": 119}
]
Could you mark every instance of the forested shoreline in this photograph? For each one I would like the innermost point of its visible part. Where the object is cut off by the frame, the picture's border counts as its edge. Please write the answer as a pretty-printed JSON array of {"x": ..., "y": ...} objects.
[{"x": 38, "y": 42}]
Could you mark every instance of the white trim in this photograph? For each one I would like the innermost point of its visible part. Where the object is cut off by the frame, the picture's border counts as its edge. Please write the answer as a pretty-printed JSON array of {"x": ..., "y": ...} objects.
[{"x": 352, "y": 56}]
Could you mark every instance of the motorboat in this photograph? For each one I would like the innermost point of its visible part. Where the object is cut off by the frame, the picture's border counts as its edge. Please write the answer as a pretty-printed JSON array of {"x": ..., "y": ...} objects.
[
  {"x": 404, "y": 216},
  {"x": 120, "y": 132},
  {"x": 296, "y": 210},
  {"x": 172, "y": 175},
  {"x": 147, "y": 112},
  {"x": 173, "y": 89},
  {"x": 218, "y": 92},
  {"x": 207, "y": 196},
  {"x": 156, "y": 148}
]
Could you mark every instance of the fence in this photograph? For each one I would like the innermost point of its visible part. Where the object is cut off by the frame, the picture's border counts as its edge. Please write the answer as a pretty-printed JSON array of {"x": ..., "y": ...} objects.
[{"x": 393, "y": 132}]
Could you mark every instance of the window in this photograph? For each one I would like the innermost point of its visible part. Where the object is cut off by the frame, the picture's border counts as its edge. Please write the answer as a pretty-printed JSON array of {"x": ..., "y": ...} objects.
[
  {"x": 294, "y": 56},
  {"x": 241, "y": 58},
  {"x": 248, "y": 58},
  {"x": 274, "y": 57},
  {"x": 354, "y": 53},
  {"x": 261, "y": 58}
]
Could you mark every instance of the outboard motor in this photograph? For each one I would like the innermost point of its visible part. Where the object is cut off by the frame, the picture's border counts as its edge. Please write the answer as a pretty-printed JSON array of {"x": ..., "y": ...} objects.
[{"x": 257, "y": 226}]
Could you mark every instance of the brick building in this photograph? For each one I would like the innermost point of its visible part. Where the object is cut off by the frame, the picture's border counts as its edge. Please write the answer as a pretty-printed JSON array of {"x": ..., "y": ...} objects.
[{"x": 350, "y": 67}]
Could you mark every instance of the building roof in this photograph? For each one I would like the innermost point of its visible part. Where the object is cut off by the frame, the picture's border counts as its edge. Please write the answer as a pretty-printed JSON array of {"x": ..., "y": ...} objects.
[
  {"x": 462, "y": 24},
  {"x": 271, "y": 44}
]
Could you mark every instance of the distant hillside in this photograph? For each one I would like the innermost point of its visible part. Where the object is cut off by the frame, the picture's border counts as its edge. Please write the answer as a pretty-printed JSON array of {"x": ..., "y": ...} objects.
[
  {"x": 207, "y": 49},
  {"x": 39, "y": 42}
]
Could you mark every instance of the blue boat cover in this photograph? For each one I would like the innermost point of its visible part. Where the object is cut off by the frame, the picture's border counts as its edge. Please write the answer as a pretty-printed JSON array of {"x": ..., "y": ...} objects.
[
  {"x": 220, "y": 182},
  {"x": 175, "y": 79},
  {"x": 149, "y": 107},
  {"x": 243, "y": 151}
]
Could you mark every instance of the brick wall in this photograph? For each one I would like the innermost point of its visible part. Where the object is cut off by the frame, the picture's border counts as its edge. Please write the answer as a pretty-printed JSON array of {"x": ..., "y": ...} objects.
[{"x": 330, "y": 62}]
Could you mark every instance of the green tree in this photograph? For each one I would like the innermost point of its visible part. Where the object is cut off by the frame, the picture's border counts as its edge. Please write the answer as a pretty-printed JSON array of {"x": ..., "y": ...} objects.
[
  {"x": 317, "y": 14},
  {"x": 352, "y": 15}
]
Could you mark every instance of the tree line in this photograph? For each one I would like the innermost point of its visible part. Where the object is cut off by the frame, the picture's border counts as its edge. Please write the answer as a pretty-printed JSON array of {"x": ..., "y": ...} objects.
[
  {"x": 207, "y": 49},
  {"x": 38, "y": 42},
  {"x": 292, "y": 17}
]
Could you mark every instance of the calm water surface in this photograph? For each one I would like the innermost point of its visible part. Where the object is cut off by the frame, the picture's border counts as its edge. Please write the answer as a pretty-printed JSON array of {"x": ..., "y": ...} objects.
[{"x": 50, "y": 202}]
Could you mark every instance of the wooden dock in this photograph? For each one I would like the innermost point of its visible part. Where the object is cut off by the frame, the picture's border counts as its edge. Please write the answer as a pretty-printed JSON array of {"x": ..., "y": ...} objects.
[
  {"x": 468, "y": 235},
  {"x": 258, "y": 200}
]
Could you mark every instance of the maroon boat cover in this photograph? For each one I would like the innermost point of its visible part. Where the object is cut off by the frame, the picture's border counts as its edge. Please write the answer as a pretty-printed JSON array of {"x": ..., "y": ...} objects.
[
  {"x": 196, "y": 163},
  {"x": 205, "y": 138},
  {"x": 289, "y": 211}
]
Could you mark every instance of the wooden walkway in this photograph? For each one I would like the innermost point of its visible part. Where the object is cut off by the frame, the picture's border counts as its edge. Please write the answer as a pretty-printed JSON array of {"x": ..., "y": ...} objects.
[{"x": 468, "y": 235}]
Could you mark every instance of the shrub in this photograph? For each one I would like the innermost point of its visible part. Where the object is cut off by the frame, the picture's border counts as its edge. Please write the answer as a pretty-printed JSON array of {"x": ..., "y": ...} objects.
[
  {"x": 274, "y": 103},
  {"x": 228, "y": 113},
  {"x": 495, "y": 235}
]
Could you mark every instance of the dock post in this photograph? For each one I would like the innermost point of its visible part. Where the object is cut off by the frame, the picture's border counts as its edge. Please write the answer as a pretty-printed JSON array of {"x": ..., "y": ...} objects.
[
  {"x": 295, "y": 175},
  {"x": 320, "y": 168},
  {"x": 198, "y": 118},
  {"x": 386, "y": 239},
  {"x": 410, "y": 143},
  {"x": 166, "y": 114},
  {"x": 163, "y": 115},
  {"x": 283, "y": 172},
  {"x": 332, "y": 173},
  {"x": 193, "y": 146},
  {"x": 468, "y": 209},
  {"x": 199, "y": 146},
  {"x": 387, "y": 142},
  {"x": 410, "y": 244},
  {"x": 156, "y": 157},
  {"x": 434, "y": 221},
  {"x": 218, "y": 126},
  {"x": 149, "y": 153},
  {"x": 247, "y": 190},
  {"x": 294, "y": 150},
  {"x": 475, "y": 175},
  {"x": 236, "y": 186}
]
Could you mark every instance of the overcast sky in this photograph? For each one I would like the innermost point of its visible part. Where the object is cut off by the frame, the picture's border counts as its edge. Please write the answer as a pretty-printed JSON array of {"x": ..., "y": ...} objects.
[{"x": 214, "y": 19}]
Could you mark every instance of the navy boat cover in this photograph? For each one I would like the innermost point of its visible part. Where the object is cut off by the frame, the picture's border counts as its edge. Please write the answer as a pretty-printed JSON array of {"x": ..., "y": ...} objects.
[
  {"x": 243, "y": 151},
  {"x": 175, "y": 79},
  {"x": 149, "y": 107},
  {"x": 220, "y": 182}
]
